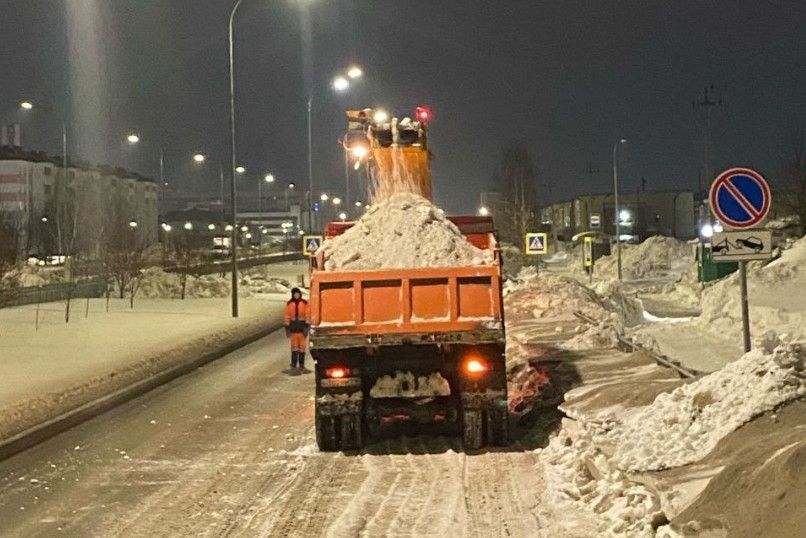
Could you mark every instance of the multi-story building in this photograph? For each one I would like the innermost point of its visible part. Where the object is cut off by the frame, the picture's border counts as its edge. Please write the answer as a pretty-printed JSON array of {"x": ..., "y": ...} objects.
[{"x": 73, "y": 210}]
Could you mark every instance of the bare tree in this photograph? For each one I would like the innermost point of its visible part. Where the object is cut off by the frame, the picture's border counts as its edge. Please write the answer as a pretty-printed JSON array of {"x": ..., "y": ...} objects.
[
  {"x": 9, "y": 242},
  {"x": 793, "y": 175},
  {"x": 124, "y": 254},
  {"x": 186, "y": 246},
  {"x": 515, "y": 179}
]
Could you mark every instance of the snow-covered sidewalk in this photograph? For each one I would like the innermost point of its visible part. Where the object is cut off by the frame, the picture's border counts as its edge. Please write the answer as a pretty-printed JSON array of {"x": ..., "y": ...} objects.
[{"x": 61, "y": 366}]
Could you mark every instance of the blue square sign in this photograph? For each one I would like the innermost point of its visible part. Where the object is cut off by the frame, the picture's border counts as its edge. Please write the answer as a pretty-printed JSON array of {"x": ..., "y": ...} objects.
[{"x": 537, "y": 243}]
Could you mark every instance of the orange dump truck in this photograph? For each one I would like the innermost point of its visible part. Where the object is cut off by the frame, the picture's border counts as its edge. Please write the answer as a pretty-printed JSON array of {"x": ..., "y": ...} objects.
[{"x": 406, "y": 346}]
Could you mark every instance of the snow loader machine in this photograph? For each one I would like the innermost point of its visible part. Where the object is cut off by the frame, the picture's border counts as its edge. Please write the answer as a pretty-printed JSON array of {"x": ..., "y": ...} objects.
[{"x": 407, "y": 349}]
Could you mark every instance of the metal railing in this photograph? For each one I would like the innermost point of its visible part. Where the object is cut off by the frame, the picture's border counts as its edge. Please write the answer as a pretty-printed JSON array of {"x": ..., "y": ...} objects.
[{"x": 60, "y": 291}]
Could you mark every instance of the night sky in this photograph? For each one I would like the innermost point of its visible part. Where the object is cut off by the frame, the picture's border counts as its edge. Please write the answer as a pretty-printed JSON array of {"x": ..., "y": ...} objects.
[{"x": 568, "y": 78}]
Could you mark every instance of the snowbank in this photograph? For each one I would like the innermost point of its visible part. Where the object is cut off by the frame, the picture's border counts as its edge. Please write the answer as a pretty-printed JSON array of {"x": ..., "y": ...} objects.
[
  {"x": 682, "y": 426},
  {"x": 404, "y": 230},
  {"x": 27, "y": 275},
  {"x": 587, "y": 463},
  {"x": 656, "y": 258},
  {"x": 777, "y": 295},
  {"x": 158, "y": 284}
]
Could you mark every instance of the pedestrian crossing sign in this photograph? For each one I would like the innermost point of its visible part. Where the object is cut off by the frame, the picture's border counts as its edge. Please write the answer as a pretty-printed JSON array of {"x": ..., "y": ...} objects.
[
  {"x": 537, "y": 243},
  {"x": 311, "y": 243}
]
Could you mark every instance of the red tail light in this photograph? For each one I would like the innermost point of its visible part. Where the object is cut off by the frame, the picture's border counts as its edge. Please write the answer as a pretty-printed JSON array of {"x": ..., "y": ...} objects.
[
  {"x": 476, "y": 366},
  {"x": 337, "y": 372},
  {"x": 423, "y": 114}
]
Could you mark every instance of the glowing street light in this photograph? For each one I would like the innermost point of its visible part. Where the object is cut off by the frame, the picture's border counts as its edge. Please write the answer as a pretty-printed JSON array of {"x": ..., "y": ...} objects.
[
  {"x": 240, "y": 169},
  {"x": 167, "y": 227},
  {"x": 292, "y": 186},
  {"x": 355, "y": 72},
  {"x": 380, "y": 116},
  {"x": 324, "y": 197},
  {"x": 269, "y": 178},
  {"x": 483, "y": 211},
  {"x": 228, "y": 228},
  {"x": 358, "y": 203},
  {"x": 26, "y": 105},
  {"x": 244, "y": 228},
  {"x": 211, "y": 227},
  {"x": 343, "y": 216},
  {"x": 337, "y": 201},
  {"x": 707, "y": 231},
  {"x": 340, "y": 84},
  {"x": 199, "y": 158},
  {"x": 132, "y": 138},
  {"x": 188, "y": 226},
  {"x": 624, "y": 216},
  {"x": 45, "y": 219},
  {"x": 132, "y": 224}
]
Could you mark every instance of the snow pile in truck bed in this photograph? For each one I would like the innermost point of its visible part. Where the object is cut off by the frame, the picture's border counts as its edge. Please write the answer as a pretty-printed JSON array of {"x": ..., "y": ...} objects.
[
  {"x": 405, "y": 230},
  {"x": 657, "y": 257}
]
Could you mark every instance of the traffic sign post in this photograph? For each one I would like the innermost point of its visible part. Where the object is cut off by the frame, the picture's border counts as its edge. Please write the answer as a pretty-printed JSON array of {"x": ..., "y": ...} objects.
[
  {"x": 587, "y": 256},
  {"x": 537, "y": 243},
  {"x": 740, "y": 199},
  {"x": 311, "y": 243},
  {"x": 596, "y": 221}
]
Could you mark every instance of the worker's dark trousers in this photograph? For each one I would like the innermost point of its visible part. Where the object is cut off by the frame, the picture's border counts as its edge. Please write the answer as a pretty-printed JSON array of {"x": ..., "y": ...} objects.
[{"x": 297, "y": 359}]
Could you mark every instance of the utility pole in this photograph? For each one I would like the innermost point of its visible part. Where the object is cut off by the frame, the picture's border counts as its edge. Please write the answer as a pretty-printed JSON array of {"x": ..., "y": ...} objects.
[{"x": 703, "y": 109}]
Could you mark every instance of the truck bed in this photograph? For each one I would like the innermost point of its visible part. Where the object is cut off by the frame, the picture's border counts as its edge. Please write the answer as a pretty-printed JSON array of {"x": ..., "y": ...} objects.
[{"x": 394, "y": 306}]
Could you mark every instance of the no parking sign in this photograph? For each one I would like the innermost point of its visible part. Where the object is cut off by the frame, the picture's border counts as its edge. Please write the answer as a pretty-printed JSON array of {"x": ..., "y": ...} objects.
[{"x": 740, "y": 198}]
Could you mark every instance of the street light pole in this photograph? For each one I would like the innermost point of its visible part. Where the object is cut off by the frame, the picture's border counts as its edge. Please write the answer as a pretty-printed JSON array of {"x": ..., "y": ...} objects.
[
  {"x": 310, "y": 162},
  {"x": 616, "y": 210},
  {"x": 233, "y": 188}
]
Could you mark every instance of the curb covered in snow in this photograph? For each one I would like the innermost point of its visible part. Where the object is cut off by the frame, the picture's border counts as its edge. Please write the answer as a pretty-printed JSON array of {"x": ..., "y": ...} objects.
[{"x": 49, "y": 428}]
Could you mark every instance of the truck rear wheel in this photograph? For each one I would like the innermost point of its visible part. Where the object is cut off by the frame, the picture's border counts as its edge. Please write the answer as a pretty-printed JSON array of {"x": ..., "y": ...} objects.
[
  {"x": 351, "y": 432},
  {"x": 326, "y": 433},
  {"x": 472, "y": 430},
  {"x": 497, "y": 427}
]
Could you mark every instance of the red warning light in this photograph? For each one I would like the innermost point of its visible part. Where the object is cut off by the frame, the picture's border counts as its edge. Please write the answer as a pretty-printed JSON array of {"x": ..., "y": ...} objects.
[{"x": 423, "y": 113}]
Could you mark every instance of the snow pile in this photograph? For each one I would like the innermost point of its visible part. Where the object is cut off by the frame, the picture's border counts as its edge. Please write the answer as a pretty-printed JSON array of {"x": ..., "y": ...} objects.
[
  {"x": 777, "y": 294},
  {"x": 588, "y": 462},
  {"x": 579, "y": 475},
  {"x": 158, "y": 284},
  {"x": 546, "y": 295},
  {"x": 682, "y": 426},
  {"x": 404, "y": 230},
  {"x": 657, "y": 257},
  {"x": 407, "y": 385},
  {"x": 604, "y": 335},
  {"x": 27, "y": 275}
]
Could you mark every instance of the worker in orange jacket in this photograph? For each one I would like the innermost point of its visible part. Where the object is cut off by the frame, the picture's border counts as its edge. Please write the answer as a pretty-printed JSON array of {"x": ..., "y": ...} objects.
[{"x": 297, "y": 324}]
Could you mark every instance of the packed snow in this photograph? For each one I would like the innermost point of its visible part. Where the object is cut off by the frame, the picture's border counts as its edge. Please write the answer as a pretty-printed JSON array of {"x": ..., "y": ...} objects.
[
  {"x": 404, "y": 230},
  {"x": 408, "y": 385},
  {"x": 656, "y": 258},
  {"x": 158, "y": 284}
]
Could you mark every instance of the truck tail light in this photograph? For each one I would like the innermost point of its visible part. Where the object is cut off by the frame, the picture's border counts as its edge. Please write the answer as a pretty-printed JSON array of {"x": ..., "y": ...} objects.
[
  {"x": 337, "y": 372},
  {"x": 475, "y": 366}
]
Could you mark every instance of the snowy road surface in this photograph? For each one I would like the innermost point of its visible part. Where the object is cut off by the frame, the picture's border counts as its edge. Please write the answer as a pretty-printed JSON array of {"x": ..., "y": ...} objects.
[{"x": 228, "y": 450}]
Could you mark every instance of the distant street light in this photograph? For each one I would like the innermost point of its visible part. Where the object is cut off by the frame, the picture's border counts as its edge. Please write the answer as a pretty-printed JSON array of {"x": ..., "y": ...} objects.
[
  {"x": 355, "y": 72},
  {"x": 483, "y": 211},
  {"x": 188, "y": 226},
  {"x": 132, "y": 224},
  {"x": 44, "y": 219},
  {"x": 336, "y": 201},
  {"x": 167, "y": 227},
  {"x": 358, "y": 203},
  {"x": 228, "y": 228},
  {"x": 240, "y": 169},
  {"x": 26, "y": 105},
  {"x": 199, "y": 158},
  {"x": 343, "y": 216},
  {"x": 132, "y": 138},
  {"x": 324, "y": 197},
  {"x": 624, "y": 215},
  {"x": 616, "y": 206},
  {"x": 340, "y": 84},
  {"x": 269, "y": 178},
  {"x": 380, "y": 116},
  {"x": 211, "y": 227}
]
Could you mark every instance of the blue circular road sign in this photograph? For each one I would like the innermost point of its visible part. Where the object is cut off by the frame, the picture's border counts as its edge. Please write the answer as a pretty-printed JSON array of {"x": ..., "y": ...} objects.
[{"x": 740, "y": 198}]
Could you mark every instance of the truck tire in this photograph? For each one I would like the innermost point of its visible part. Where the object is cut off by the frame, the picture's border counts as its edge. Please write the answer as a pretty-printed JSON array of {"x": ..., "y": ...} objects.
[
  {"x": 351, "y": 432},
  {"x": 472, "y": 429},
  {"x": 326, "y": 433},
  {"x": 497, "y": 427}
]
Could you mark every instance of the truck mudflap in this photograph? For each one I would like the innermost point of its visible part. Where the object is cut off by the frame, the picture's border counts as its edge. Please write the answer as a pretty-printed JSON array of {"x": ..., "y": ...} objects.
[{"x": 484, "y": 418}]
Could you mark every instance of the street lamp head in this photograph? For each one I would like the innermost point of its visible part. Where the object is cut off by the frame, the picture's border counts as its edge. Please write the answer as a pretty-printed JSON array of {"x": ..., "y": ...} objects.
[
  {"x": 240, "y": 169},
  {"x": 292, "y": 186},
  {"x": 380, "y": 116},
  {"x": 623, "y": 141},
  {"x": 269, "y": 178},
  {"x": 228, "y": 228},
  {"x": 324, "y": 197},
  {"x": 244, "y": 228},
  {"x": 483, "y": 211},
  {"x": 343, "y": 216},
  {"x": 340, "y": 84},
  {"x": 26, "y": 105},
  {"x": 188, "y": 226},
  {"x": 355, "y": 72},
  {"x": 211, "y": 227},
  {"x": 358, "y": 203},
  {"x": 199, "y": 158},
  {"x": 336, "y": 201},
  {"x": 132, "y": 138},
  {"x": 44, "y": 219},
  {"x": 167, "y": 227},
  {"x": 132, "y": 224},
  {"x": 624, "y": 215}
]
